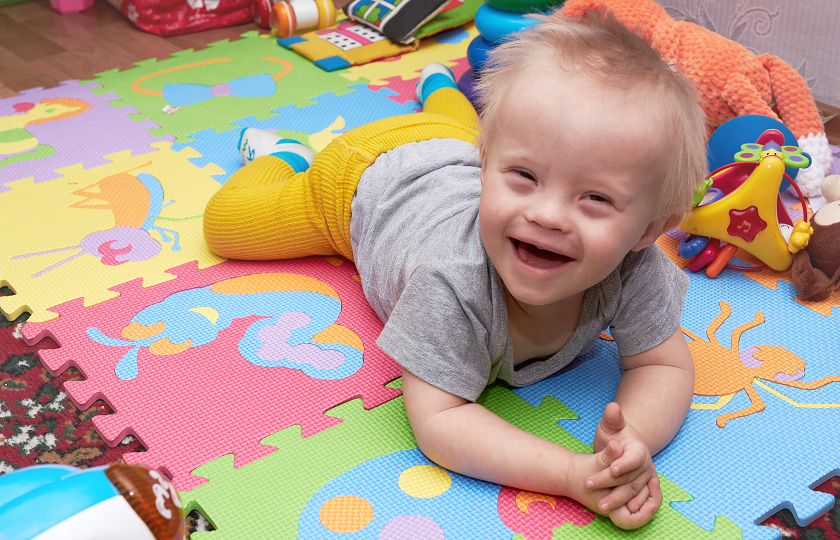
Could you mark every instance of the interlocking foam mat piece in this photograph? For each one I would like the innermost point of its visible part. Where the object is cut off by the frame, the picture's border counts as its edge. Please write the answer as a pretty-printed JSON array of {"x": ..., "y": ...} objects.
[
  {"x": 258, "y": 386},
  {"x": 45, "y": 130}
]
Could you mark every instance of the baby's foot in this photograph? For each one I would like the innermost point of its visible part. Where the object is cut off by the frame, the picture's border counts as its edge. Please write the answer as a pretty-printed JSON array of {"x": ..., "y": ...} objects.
[
  {"x": 254, "y": 143},
  {"x": 433, "y": 77}
]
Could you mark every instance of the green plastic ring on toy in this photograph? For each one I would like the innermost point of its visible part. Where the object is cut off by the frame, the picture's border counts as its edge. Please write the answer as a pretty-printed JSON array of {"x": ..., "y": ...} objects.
[{"x": 523, "y": 6}]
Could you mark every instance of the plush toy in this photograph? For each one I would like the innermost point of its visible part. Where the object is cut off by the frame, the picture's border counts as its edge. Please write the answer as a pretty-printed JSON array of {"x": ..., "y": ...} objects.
[
  {"x": 816, "y": 269},
  {"x": 831, "y": 188},
  {"x": 730, "y": 80}
]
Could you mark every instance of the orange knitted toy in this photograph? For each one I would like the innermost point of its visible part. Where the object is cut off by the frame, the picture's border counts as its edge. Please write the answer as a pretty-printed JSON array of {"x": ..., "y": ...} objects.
[{"x": 730, "y": 80}]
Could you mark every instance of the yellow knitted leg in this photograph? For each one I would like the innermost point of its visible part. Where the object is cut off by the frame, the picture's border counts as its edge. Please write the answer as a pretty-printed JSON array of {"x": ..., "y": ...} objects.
[
  {"x": 265, "y": 211},
  {"x": 451, "y": 102}
]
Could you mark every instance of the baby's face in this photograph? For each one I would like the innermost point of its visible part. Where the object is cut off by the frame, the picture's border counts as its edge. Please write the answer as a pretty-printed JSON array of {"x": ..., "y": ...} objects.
[{"x": 567, "y": 184}]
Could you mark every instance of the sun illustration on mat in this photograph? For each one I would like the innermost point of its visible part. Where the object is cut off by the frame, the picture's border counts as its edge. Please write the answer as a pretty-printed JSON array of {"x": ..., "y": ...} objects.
[{"x": 721, "y": 371}]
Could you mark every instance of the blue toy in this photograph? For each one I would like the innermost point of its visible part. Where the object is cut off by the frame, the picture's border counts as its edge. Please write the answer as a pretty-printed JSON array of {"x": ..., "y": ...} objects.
[
  {"x": 58, "y": 502},
  {"x": 496, "y": 25},
  {"x": 523, "y": 6},
  {"x": 727, "y": 139},
  {"x": 478, "y": 52}
]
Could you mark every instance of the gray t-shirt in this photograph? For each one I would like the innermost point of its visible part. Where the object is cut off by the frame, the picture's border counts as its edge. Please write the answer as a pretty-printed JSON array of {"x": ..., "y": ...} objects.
[{"x": 416, "y": 242}]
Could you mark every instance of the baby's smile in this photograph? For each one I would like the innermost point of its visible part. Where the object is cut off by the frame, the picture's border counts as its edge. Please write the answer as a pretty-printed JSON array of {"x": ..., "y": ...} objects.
[{"x": 534, "y": 256}]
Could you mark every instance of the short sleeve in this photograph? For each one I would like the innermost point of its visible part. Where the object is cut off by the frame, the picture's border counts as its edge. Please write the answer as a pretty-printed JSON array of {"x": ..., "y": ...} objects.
[
  {"x": 653, "y": 291},
  {"x": 437, "y": 334}
]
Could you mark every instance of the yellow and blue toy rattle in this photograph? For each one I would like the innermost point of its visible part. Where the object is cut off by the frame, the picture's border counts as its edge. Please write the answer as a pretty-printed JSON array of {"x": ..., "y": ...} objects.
[
  {"x": 59, "y": 502},
  {"x": 739, "y": 206}
]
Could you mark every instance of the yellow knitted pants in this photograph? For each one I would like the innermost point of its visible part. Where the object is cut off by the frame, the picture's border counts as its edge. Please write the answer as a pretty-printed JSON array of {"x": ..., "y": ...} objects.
[{"x": 267, "y": 211}]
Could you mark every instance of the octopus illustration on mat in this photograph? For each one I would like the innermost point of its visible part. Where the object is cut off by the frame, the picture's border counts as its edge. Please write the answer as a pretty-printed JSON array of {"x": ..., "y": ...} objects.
[
  {"x": 297, "y": 331},
  {"x": 721, "y": 371}
]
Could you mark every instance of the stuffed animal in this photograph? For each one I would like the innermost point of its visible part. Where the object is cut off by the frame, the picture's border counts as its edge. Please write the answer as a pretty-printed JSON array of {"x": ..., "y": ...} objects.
[
  {"x": 731, "y": 81},
  {"x": 831, "y": 188},
  {"x": 816, "y": 269}
]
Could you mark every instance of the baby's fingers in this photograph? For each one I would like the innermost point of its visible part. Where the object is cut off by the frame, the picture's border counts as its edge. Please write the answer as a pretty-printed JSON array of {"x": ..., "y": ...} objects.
[
  {"x": 621, "y": 495},
  {"x": 652, "y": 492},
  {"x": 626, "y": 519},
  {"x": 604, "y": 478},
  {"x": 654, "y": 488},
  {"x": 635, "y": 504},
  {"x": 628, "y": 462}
]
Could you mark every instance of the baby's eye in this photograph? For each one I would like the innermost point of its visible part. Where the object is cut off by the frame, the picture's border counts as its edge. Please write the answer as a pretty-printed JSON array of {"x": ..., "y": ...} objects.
[
  {"x": 526, "y": 175},
  {"x": 597, "y": 198}
]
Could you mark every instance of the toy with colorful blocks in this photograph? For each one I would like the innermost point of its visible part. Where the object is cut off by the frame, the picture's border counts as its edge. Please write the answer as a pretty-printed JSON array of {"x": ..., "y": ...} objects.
[
  {"x": 739, "y": 205},
  {"x": 496, "y": 21},
  {"x": 478, "y": 52},
  {"x": 57, "y": 502},
  {"x": 290, "y": 17},
  {"x": 726, "y": 140}
]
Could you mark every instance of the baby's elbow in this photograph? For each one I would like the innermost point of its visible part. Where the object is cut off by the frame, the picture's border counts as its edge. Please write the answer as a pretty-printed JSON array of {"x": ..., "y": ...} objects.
[{"x": 435, "y": 443}]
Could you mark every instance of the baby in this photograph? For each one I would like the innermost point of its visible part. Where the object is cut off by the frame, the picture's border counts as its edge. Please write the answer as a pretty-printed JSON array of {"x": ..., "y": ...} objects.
[{"x": 506, "y": 261}]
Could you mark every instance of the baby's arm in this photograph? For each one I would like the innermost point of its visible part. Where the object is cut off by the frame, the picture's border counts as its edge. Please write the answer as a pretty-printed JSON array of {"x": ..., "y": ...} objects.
[
  {"x": 656, "y": 389},
  {"x": 469, "y": 439},
  {"x": 653, "y": 398}
]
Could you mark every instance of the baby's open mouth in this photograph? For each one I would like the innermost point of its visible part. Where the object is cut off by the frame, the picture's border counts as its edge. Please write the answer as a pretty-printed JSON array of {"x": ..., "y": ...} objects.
[{"x": 542, "y": 258}]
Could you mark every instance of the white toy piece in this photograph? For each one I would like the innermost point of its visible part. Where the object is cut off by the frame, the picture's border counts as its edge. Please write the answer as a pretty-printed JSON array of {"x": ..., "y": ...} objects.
[{"x": 809, "y": 180}]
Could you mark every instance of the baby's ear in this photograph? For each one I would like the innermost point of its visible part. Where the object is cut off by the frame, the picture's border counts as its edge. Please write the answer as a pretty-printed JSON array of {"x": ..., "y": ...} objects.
[{"x": 655, "y": 229}]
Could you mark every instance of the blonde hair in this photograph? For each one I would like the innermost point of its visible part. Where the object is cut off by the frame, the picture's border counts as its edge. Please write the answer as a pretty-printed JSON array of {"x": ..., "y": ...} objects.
[{"x": 602, "y": 48}]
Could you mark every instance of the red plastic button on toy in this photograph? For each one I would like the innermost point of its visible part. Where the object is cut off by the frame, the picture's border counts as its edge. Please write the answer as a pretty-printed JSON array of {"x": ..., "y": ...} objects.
[{"x": 745, "y": 223}]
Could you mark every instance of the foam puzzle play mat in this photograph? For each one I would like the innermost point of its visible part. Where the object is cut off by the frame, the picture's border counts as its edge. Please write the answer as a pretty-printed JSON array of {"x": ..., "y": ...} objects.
[{"x": 257, "y": 387}]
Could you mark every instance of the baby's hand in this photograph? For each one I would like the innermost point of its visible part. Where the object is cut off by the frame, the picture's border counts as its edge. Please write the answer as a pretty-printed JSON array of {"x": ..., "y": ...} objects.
[
  {"x": 644, "y": 503},
  {"x": 648, "y": 500},
  {"x": 635, "y": 493}
]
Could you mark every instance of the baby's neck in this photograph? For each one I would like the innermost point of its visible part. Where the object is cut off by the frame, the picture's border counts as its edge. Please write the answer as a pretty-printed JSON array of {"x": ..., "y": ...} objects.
[{"x": 541, "y": 331}]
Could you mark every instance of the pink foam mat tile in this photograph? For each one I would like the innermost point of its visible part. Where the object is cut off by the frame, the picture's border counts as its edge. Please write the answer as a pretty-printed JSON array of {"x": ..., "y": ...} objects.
[{"x": 210, "y": 363}]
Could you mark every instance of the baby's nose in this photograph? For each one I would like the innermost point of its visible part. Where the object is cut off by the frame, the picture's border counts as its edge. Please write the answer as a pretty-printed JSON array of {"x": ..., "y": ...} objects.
[{"x": 552, "y": 216}]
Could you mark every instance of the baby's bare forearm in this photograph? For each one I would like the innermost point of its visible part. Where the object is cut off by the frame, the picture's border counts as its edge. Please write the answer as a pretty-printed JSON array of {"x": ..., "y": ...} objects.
[
  {"x": 655, "y": 396},
  {"x": 467, "y": 438},
  {"x": 473, "y": 441},
  {"x": 655, "y": 404}
]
